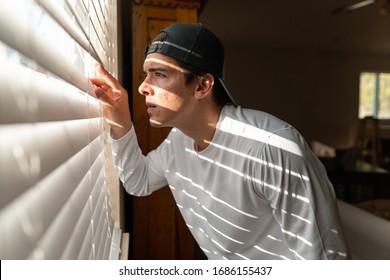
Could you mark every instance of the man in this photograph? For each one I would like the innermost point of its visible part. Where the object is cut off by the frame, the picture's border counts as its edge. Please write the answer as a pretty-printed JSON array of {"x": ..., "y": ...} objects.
[{"x": 245, "y": 182}]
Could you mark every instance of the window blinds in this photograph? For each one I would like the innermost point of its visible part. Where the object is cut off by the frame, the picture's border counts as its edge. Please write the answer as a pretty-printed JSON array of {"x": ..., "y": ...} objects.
[{"x": 55, "y": 193}]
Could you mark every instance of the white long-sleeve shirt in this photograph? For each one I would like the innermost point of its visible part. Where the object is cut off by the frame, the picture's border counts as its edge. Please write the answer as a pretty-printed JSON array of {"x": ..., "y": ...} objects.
[{"x": 256, "y": 192}]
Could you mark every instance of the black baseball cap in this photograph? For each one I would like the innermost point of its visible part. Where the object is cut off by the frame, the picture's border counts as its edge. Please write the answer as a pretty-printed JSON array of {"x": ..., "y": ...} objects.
[{"x": 195, "y": 45}]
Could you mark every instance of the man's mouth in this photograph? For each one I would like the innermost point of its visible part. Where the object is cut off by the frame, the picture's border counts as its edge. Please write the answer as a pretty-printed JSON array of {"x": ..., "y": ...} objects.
[
  {"x": 150, "y": 108},
  {"x": 150, "y": 105}
]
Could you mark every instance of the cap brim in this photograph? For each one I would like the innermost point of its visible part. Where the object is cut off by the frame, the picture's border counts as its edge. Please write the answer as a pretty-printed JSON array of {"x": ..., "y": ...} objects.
[{"x": 227, "y": 91}]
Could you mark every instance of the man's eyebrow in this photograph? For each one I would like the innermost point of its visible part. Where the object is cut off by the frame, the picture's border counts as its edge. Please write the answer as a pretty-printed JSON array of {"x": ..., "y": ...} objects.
[{"x": 156, "y": 69}]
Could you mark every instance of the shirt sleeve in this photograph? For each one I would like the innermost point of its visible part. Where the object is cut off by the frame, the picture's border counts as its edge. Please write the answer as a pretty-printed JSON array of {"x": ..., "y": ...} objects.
[
  {"x": 139, "y": 174},
  {"x": 302, "y": 199}
]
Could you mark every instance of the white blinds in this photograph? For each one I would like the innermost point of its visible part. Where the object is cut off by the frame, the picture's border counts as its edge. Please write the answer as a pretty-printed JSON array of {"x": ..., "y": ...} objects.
[{"x": 54, "y": 191}]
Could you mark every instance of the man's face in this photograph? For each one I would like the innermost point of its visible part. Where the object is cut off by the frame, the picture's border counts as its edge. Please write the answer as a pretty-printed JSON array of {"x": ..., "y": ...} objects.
[{"x": 168, "y": 99}]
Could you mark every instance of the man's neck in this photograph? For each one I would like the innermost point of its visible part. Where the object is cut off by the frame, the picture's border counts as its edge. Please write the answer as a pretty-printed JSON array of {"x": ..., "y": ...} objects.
[{"x": 202, "y": 129}]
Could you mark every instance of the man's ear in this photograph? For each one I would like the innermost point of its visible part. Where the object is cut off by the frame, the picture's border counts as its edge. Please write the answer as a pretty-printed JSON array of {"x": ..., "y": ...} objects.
[{"x": 204, "y": 86}]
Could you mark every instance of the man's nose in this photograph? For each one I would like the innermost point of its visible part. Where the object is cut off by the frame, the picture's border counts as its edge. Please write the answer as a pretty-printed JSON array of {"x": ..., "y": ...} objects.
[{"x": 145, "y": 88}]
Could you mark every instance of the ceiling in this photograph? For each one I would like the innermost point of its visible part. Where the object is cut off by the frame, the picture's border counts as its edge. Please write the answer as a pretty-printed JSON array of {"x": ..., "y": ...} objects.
[{"x": 307, "y": 24}]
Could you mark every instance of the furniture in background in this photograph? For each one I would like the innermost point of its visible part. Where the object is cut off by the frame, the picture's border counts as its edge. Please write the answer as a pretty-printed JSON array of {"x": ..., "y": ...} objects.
[
  {"x": 368, "y": 141},
  {"x": 355, "y": 180}
]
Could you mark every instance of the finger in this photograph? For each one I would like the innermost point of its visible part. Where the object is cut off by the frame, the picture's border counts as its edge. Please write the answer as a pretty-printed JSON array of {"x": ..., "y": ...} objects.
[
  {"x": 110, "y": 80},
  {"x": 97, "y": 81},
  {"x": 102, "y": 96}
]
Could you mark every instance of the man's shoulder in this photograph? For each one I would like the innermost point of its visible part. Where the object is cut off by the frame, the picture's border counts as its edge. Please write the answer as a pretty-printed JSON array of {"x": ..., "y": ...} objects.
[{"x": 251, "y": 117}]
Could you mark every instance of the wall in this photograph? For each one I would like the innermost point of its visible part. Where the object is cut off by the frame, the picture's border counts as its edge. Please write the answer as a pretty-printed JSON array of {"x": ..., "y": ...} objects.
[{"x": 317, "y": 92}]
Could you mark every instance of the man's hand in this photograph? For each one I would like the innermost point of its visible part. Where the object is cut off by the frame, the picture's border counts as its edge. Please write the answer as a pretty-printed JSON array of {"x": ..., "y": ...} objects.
[{"x": 115, "y": 102}]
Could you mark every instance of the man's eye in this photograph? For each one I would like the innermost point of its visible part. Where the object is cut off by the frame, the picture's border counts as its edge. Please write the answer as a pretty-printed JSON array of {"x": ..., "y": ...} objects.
[{"x": 159, "y": 74}]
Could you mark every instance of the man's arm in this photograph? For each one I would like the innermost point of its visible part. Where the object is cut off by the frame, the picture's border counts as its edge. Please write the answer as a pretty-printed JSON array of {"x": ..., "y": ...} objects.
[
  {"x": 303, "y": 201},
  {"x": 132, "y": 166},
  {"x": 115, "y": 102}
]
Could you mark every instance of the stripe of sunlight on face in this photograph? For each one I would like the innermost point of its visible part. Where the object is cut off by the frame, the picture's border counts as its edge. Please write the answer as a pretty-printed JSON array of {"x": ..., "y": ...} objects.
[
  {"x": 163, "y": 62},
  {"x": 153, "y": 64}
]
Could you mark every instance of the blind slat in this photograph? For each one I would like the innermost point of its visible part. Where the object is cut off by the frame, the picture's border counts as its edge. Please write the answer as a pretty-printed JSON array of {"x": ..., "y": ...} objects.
[
  {"x": 34, "y": 45},
  {"x": 109, "y": 237},
  {"x": 49, "y": 193},
  {"x": 55, "y": 239},
  {"x": 37, "y": 97},
  {"x": 77, "y": 238},
  {"x": 98, "y": 31},
  {"x": 68, "y": 25},
  {"x": 97, "y": 212},
  {"x": 103, "y": 14},
  {"x": 79, "y": 11},
  {"x": 87, "y": 247},
  {"x": 54, "y": 201},
  {"x": 101, "y": 238},
  {"x": 27, "y": 151},
  {"x": 99, "y": 20}
]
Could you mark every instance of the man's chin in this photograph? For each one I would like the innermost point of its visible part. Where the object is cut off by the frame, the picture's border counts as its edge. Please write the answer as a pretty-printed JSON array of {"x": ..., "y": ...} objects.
[{"x": 155, "y": 124}]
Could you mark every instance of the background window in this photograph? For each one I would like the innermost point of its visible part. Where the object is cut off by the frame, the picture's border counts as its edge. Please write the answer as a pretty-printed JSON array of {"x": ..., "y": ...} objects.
[{"x": 374, "y": 95}]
